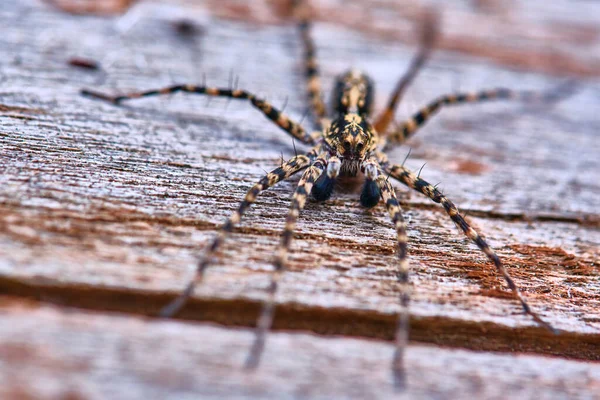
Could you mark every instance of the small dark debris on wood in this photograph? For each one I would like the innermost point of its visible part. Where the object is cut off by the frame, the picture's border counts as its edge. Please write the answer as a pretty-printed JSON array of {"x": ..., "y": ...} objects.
[
  {"x": 187, "y": 28},
  {"x": 85, "y": 63}
]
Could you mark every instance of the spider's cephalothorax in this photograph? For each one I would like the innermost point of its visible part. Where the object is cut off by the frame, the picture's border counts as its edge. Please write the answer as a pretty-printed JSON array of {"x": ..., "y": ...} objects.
[
  {"x": 350, "y": 138},
  {"x": 344, "y": 145}
]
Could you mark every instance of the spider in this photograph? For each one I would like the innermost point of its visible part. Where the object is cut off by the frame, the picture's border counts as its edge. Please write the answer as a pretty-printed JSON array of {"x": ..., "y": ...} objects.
[{"x": 346, "y": 143}]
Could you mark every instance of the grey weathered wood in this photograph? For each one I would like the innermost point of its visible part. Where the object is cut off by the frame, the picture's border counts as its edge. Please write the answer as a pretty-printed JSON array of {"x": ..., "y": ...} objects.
[
  {"x": 108, "y": 207},
  {"x": 48, "y": 353}
]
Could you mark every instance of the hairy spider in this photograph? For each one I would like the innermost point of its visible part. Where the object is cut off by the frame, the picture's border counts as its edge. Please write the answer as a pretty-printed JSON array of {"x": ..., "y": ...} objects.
[{"x": 346, "y": 145}]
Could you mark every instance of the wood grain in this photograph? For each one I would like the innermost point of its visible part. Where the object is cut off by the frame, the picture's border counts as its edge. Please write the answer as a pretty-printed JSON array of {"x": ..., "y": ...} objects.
[
  {"x": 75, "y": 355},
  {"x": 107, "y": 208}
]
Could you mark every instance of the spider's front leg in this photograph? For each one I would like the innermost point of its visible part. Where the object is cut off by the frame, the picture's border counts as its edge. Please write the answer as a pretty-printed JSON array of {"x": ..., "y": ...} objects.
[
  {"x": 405, "y": 130},
  {"x": 411, "y": 180},
  {"x": 272, "y": 113},
  {"x": 402, "y": 329},
  {"x": 288, "y": 169},
  {"x": 298, "y": 201}
]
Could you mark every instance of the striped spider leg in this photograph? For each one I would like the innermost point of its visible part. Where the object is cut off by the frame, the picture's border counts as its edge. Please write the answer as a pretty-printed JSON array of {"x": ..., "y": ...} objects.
[
  {"x": 410, "y": 179},
  {"x": 393, "y": 206},
  {"x": 272, "y": 113},
  {"x": 299, "y": 198},
  {"x": 406, "y": 129},
  {"x": 377, "y": 186},
  {"x": 313, "y": 80}
]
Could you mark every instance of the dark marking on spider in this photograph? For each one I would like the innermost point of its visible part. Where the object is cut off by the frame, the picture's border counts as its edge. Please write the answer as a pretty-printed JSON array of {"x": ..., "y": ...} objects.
[{"x": 345, "y": 143}]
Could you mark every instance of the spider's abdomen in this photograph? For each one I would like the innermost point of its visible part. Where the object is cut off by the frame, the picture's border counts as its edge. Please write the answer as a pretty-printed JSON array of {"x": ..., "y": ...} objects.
[{"x": 353, "y": 92}]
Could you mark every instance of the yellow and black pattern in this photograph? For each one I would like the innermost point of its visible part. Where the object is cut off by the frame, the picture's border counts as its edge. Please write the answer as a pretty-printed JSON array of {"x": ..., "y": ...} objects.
[
  {"x": 315, "y": 93},
  {"x": 351, "y": 136},
  {"x": 288, "y": 169},
  {"x": 411, "y": 180},
  {"x": 407, "y": 128},
  {"x": 393, "y": 207},
  {"x": 279, "y": 118},
  {"x": 353, "y": 93},
  {"x": 301, "y": 194}
]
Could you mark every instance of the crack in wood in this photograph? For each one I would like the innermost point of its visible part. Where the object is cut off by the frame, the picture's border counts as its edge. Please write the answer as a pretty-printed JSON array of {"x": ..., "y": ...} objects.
[{"x": 446, "y": 332}]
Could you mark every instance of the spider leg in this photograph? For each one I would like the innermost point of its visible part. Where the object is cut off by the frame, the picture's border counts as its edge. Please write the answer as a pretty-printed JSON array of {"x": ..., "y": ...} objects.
[
  {"x": 298, "y": 201},
  {"x": 315, "y": 95},
  {"x": 428, "y": 36},
  {"x": 408, "y": 178},
  {"x": 288, "y": 169},
  {"x": 393, "y": 207},
  {"x": 279, "y": 118},
  {"x": 406, "y": 129}
]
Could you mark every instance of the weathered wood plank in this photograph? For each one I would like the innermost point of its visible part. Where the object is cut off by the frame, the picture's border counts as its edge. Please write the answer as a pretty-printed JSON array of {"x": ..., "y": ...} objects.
[
  {"x": 86, "y": 355},
  {"x": 108, "y": 207}
]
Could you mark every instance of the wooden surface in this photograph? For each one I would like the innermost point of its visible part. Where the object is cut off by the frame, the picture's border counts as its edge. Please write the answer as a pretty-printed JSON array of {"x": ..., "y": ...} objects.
[
  {"x": 74, "y": 355},
  {"x": 107, "y": 208}
]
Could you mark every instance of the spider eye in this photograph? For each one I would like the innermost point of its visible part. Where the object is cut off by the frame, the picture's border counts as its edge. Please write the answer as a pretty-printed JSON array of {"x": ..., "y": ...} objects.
[
  {"x": 360, "y": 146},
  {"x": 347, "y": 145}
]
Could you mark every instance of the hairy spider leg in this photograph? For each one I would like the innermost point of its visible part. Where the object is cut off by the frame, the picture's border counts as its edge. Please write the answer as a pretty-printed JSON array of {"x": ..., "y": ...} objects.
[
  {"x": 272, "y": 113},
  {"x": 411, "y": 180},
  {"x": 402, "y": 329},
  {"x": 299, "y": 198},
  {"x": 406, "y": 129},
  {"x": 315, "y": 95},
  {"x": 288, "y": 169},
  {"x": 428, "y": 36}
]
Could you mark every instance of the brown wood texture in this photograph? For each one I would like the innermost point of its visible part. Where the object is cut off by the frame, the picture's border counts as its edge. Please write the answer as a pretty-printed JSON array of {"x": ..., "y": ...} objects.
[{"x": 107, "y": 208}]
